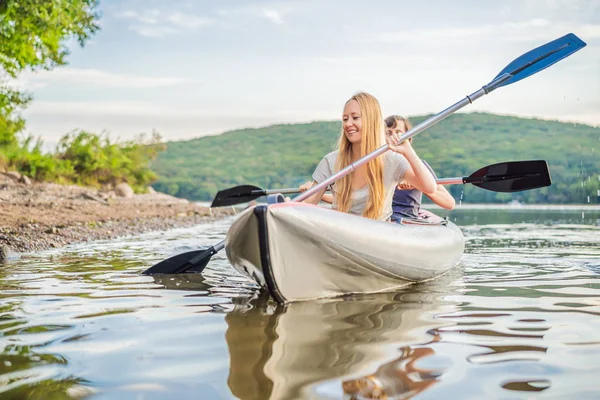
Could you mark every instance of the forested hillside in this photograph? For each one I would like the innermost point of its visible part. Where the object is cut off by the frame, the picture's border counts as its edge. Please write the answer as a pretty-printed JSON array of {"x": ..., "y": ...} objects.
[{"x": 285, "y": 156}]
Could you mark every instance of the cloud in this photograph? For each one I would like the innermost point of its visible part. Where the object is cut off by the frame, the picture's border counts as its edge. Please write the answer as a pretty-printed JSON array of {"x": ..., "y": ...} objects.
[
  {"x": 188, "y": 21},
  {"x": 432, "y": 34},
  {"x": 130, "y": 108},
  {"x": 529, "y": 30},
  {"x": 154, "y": 31},
  {"x": 589, "y": 31},
  {"x": 154, "y": 23},
  {"x": 92, "y": 77},
  {"x": 272, "y": 15},
  {"x": 147, "y": 17}
]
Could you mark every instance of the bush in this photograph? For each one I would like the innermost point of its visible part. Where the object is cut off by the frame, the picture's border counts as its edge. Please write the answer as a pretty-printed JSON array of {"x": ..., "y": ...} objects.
[{"x": 87, "y": 158}]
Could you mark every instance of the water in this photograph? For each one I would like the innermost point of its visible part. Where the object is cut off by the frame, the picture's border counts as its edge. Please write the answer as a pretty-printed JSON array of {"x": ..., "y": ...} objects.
[{"x": 518, "y": 318}]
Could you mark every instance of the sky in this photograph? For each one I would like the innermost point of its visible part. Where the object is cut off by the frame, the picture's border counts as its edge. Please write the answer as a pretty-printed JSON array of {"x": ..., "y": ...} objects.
[{"x": 193, "y": 68}]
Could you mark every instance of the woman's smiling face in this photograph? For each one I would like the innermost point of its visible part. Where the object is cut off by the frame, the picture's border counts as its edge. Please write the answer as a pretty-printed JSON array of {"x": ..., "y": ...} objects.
[{"x": 352, "y": 122}]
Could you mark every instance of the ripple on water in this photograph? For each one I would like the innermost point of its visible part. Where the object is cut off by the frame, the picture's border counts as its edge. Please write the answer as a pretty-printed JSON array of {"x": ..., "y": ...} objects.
[{"x": 517, "y": 317}]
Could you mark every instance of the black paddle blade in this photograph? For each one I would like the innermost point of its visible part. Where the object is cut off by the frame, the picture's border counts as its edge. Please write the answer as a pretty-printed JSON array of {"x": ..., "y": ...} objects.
[
  {"x": 512, "y": 176},
  {"x": 191, "y": 261},
  {"x": 237, "y": 195},
  {"x": 539, "y": 59}
]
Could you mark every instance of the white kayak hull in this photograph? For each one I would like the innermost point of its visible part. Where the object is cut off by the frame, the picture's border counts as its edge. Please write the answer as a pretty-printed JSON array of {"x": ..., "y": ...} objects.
[{"x": 298, "y": 251}]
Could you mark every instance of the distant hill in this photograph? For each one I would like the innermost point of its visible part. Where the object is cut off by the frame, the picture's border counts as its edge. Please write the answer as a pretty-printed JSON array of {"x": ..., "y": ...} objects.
[{"x": 285, "y": 155}]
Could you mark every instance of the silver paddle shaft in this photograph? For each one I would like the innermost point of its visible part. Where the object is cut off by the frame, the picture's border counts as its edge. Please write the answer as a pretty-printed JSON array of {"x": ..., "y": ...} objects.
[
  {"x": 428, "y": 123},
  {"x": 282, "y": 191},
  {"x": 450, "y": 181}
]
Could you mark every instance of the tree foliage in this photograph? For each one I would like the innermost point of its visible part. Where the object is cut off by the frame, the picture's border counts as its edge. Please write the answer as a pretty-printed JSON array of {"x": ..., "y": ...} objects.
[
  {"x": 286, "y": 155},
  {"x": 34, "y": 34}
]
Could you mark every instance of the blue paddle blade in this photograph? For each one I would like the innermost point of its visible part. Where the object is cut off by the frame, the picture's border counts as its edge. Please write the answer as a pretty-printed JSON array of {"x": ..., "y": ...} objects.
[{"x": 536, "y": 60}]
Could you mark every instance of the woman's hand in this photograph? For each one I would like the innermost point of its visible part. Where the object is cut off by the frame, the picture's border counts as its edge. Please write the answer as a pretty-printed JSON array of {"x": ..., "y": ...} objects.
[{"x": 393, "y": 141}]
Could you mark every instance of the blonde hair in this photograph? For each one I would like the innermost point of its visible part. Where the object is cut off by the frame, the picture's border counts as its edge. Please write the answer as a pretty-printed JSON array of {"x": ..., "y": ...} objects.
[{"x": 372, "y": 138}]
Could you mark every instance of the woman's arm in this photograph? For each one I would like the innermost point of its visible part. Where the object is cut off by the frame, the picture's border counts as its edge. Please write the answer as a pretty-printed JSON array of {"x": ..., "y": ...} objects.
[
  {"x": 442, "y": 198},
  {"x": 417, "y": 175},
  {"x": 327, "y": 198},
  {"x": 317, "y": 197}
]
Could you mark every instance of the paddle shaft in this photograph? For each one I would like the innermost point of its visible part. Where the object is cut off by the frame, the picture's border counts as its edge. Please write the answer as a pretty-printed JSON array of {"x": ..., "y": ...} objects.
[
  {"x": 414, "y": 131},
  {"x": 468, "y": 179},
  {"x": 459, "y": 180},
  {"x": 275, "y": 191}
]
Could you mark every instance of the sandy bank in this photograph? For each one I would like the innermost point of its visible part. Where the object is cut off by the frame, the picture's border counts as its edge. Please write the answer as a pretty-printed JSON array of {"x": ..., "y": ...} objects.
[{"x": 43, "y": 215}]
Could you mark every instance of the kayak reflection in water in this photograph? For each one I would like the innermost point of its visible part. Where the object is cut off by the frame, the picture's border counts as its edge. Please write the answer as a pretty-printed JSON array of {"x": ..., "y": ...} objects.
[
  {"x": 401, "y": 378},
  {"x": 368, "y": 191}
]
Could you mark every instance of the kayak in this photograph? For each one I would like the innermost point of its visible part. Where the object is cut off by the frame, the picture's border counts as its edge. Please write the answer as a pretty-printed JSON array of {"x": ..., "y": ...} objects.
[{"x": 299, "y": 251}]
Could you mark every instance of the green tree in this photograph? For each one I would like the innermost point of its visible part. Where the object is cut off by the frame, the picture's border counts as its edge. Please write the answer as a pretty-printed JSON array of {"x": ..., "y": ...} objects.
[{"x": 34, "y": 35}]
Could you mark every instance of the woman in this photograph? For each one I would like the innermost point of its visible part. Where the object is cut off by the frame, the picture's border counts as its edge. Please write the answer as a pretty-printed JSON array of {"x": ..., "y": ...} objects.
[
  {"x": 406, "y": 202},
  {"x": 368, "y": 191}
]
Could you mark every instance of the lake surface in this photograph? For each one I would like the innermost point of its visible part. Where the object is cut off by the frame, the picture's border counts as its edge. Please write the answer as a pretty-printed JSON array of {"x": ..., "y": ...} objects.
[{"x": 518, "y": 318}]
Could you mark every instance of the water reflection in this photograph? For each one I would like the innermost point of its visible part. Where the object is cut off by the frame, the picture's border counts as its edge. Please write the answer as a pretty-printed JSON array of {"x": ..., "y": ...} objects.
[
  {"x": 282, "y": 352},
  {"x": 402, "y": 378}
]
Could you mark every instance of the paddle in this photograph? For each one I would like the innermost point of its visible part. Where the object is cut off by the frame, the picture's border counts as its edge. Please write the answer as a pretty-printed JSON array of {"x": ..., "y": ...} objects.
[
  {"x": 512, "y": 176},
  {"x": 526, "y": 65},
  {"x": 244, "y": 194}
]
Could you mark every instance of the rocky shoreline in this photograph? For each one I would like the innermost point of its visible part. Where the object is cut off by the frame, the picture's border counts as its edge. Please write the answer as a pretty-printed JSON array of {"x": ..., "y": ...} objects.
[{"x": 39, "y": 216}]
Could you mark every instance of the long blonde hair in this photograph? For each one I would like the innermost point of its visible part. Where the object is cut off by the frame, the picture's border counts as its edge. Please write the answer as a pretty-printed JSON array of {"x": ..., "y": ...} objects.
[{"x": 372, "y": 138}]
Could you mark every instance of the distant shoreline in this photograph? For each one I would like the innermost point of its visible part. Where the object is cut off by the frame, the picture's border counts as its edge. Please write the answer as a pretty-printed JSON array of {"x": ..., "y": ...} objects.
[
  {"x": 483, "y": 206},
  {"x": 492, "y": 206}
]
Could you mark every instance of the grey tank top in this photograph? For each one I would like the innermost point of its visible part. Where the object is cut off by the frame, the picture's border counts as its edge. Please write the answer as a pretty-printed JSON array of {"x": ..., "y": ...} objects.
[{"x": 394, "y": 168}]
